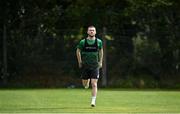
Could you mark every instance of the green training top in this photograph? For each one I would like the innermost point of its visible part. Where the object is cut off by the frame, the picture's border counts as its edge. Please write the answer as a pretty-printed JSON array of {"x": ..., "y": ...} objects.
[{"x": 90, "y": 59}]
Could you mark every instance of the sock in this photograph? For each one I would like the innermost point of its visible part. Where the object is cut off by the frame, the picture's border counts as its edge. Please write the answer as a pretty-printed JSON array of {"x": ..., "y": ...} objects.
[{"x": 93, "y": 101}]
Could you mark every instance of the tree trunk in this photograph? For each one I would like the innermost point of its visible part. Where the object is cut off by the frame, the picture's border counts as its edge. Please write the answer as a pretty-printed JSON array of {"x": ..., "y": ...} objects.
[
  {"x": 104, "y": 68},
  {"x": 4, "y": 54}
]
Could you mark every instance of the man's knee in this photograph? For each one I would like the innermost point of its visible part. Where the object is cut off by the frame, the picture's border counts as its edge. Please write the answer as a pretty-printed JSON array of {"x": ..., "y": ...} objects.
[{"x": 94, "y": 84}]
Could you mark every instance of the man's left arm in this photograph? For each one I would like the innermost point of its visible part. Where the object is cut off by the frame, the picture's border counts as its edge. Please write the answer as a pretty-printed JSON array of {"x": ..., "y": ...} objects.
[{"x": 100, "y": 57}]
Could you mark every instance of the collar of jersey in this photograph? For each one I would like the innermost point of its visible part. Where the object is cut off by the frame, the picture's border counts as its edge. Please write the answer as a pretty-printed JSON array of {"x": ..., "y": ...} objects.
[{"x": 89, "y": 41}]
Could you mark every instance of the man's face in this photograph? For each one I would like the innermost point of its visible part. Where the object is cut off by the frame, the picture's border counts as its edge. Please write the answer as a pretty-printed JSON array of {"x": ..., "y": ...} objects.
[{"x": 91, "y": 31}]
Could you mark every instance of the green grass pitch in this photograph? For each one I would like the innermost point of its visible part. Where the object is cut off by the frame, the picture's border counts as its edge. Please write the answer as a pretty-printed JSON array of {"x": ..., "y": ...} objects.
[{"x": 78, "y": 101}]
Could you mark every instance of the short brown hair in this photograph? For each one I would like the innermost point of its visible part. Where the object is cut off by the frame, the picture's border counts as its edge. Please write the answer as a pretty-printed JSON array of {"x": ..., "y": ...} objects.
[{"x": 91, "y": 26}]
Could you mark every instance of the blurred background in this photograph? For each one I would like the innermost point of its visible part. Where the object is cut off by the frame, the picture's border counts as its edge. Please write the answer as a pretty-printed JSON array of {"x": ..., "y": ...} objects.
[{"x": 141, "y": 38}]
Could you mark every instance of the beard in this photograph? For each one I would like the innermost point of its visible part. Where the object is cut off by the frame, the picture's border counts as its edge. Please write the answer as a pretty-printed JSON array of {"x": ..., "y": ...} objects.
[{"x": 91, "y": 35}]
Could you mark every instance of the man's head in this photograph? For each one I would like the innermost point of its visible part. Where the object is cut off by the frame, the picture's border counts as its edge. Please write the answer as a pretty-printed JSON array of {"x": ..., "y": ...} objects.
[{"x": 91, "y": 31}]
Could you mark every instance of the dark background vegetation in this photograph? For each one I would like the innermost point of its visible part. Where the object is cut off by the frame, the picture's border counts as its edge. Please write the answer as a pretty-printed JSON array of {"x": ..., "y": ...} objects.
[{"x": 39, "y": 38}]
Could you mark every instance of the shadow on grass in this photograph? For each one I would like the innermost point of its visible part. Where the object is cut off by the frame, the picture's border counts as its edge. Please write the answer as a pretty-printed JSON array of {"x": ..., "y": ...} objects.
[{"x": 44, "y": 109}]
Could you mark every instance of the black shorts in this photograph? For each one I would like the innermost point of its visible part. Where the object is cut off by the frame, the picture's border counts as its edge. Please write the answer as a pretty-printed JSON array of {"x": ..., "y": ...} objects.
[{"x": 88, "y": 73}]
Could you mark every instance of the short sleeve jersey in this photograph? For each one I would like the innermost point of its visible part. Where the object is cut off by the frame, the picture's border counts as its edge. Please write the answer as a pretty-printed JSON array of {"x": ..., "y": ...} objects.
[{"x": 90, "y": 59}]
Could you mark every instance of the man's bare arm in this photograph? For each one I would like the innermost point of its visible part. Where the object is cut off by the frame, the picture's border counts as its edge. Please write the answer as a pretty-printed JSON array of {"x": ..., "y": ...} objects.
[
  {"x": 100, "y": 57},
  {"x": 78, "y": 54}
]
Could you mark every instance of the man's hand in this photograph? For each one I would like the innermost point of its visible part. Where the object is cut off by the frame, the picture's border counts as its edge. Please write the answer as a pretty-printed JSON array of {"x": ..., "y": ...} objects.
[
  {"x": 80, "y": 64},
  {"x": 100, "y": 64}
]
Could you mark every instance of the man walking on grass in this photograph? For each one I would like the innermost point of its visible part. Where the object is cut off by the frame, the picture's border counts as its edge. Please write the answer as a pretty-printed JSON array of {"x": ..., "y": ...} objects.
[{"x": 90, "y": 56}]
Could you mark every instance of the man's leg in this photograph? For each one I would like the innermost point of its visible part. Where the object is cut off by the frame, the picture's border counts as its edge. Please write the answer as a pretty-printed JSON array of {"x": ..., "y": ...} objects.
[
  {"x": 85, "y": 83},
  {"x": 94, "y": 91}
]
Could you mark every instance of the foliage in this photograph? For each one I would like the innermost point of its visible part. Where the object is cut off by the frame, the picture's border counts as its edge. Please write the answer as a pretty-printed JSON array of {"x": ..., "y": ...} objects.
[{"x": 143, "y": 37}]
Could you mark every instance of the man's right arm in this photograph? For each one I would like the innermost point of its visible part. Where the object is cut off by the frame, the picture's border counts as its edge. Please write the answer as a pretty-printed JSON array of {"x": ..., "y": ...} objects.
[{"x": 78, "y": 54}]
